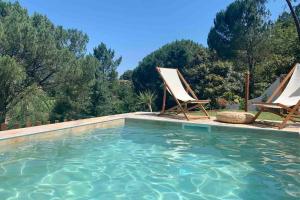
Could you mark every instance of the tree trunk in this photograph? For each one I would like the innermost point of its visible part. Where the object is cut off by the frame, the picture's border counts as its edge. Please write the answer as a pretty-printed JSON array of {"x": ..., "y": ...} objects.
[
  {"x": 150, "y": 107},
  {"x": 295, "y": 17},
  {"x": 251, "y": 67},
  {"x": 251, "y": 84}
]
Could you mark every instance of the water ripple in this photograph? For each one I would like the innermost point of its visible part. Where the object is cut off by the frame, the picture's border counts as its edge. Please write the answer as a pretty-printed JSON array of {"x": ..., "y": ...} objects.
[{"x": 154, "y": 162}]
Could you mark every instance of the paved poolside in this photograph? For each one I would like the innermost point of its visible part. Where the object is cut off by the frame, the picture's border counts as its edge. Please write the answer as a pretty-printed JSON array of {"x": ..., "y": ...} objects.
[{"x": 77, "y": 126}]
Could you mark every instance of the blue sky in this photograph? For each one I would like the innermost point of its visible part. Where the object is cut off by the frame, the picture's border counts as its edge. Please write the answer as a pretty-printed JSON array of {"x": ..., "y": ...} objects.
[{"x": 135, "y": 28}]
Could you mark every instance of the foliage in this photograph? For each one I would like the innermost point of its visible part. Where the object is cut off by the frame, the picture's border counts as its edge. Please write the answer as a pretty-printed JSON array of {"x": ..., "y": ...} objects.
[
  {"x": 239, "y": 34},
  {"x": 127, "y": 97},
  {"x": 294, "y": 15},
  {"x": 147, "y": 98},
  {"x": 232, "y": 98},
  {"x": 45, "y": 72},
  {"x": 73, "y": 94},
  {"x": 34, "y": 106},
  {"x": 242, "y": 104},
  {"x": 284, "y": 49},
  {"x": 181, "y": 54},
  {"x": 222, "y": 103},
  {"x": 108, "y": 62},
  {"x": 127, "y": 75},
  {"x": 213, "y": 79},
  {"x": 12, "y": 76},
  {"x": 104, "y": 99},
  {"x": 210, "y": 77},
  {"x": 177, "y": 54},
  {"x": 42, "y": 51}
]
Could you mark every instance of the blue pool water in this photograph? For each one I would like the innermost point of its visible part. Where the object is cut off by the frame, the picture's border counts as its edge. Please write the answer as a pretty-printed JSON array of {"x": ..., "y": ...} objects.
[{"x": 148, "y": 161}]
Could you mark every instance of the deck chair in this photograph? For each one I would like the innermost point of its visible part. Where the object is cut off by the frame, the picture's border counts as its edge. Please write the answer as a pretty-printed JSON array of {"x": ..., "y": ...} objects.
[
  {"x": 287, "y": 99},
  {"x": 173, "y": 80}
]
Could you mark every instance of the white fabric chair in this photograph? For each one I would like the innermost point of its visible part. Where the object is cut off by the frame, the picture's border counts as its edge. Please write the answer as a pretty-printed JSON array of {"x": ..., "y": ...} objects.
[
  {"x": 173, "y": 83},
  {"x": 288, "y": 100}
]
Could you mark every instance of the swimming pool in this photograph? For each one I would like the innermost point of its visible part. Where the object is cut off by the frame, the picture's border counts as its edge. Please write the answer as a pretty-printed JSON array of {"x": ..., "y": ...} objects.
[{"x": 151, "y": 160}]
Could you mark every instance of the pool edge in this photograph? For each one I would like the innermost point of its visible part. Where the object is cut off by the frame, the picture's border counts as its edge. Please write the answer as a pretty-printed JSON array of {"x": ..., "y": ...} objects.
[
  {"x": 46, "y": 132},
  {"x": 71, "y": 127},
  {"x": 228, "y": 127}
]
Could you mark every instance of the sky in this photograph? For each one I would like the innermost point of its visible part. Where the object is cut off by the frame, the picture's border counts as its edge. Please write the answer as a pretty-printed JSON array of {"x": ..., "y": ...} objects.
[{"x": 135, "y": 28}]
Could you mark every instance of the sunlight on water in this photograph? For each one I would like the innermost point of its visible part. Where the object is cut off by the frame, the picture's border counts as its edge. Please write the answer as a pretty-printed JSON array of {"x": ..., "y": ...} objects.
[{"x": 154, "y": 162}]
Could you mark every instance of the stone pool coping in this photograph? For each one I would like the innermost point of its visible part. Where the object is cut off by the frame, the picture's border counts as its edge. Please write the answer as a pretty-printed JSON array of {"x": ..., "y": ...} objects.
[{"x": 92, "y": 123}]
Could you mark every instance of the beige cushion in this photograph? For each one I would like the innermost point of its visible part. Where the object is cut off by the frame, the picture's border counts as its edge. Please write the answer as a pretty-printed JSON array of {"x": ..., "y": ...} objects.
[{"x": 235, "y": 117}]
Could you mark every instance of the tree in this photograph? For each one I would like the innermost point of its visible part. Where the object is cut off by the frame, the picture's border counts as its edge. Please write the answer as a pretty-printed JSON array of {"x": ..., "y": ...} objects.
[
  {"x": 42, "y": 48},
  {"x": 73, "y": 95},
  {"x": 180, "y": 54},
  {"x": 108, "y": 62},
  {"x": 104, "y": 99},
  {"x": 12, "y": 77},
  {"x": 32, "y": 42},
  {"x": 127, "y": 97},
  {"x": 45, "y": 72},
  {"x": 48, "y": 63},
  {"x": 76, "y": 42},
  {"x": 295, "y": 17},
  {"x": 239, "y": 34},
  {"x": 101, "y": 98},
  {"x": 35, "y": 105},
  {"x": 214, "y": 79},
  {"x": 147, "y": 98},
  {"x": 127, "y": 75},
  {"x": 283, "y": 47}
]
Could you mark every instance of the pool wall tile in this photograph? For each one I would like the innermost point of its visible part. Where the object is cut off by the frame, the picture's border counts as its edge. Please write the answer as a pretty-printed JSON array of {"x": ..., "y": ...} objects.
[
  {"x": 60, "y": 133},
  {"x": 209, "y": 127},
  {"x": 144, "y": 122},
  {"x": 217, "y": 128}
]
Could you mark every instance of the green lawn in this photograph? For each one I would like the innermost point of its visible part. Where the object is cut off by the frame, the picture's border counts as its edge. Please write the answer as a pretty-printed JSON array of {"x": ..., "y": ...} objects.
[{"x": 263, "y": 116}]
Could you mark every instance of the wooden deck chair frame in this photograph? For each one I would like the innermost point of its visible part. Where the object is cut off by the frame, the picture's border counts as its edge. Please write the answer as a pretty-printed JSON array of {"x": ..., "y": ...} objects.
[
  {"x": 182, "y": 107},
  {"x": 287, "y": 113}
]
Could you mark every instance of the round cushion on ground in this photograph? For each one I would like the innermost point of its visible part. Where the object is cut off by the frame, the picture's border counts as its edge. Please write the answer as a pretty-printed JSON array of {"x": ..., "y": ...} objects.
[{"x": 235, "y": 117}]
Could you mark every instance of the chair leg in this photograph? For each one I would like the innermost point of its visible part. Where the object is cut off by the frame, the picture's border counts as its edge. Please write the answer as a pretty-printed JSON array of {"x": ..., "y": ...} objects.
[
  {"x": 257, "y": 114},
  {"x": 164, "y": 100},
  {"x": 284, "y": 122},
  {"x": 182, "y": 110},
  {"x": 203, "y": 109},
  {"x": 289, "y": 116}
]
